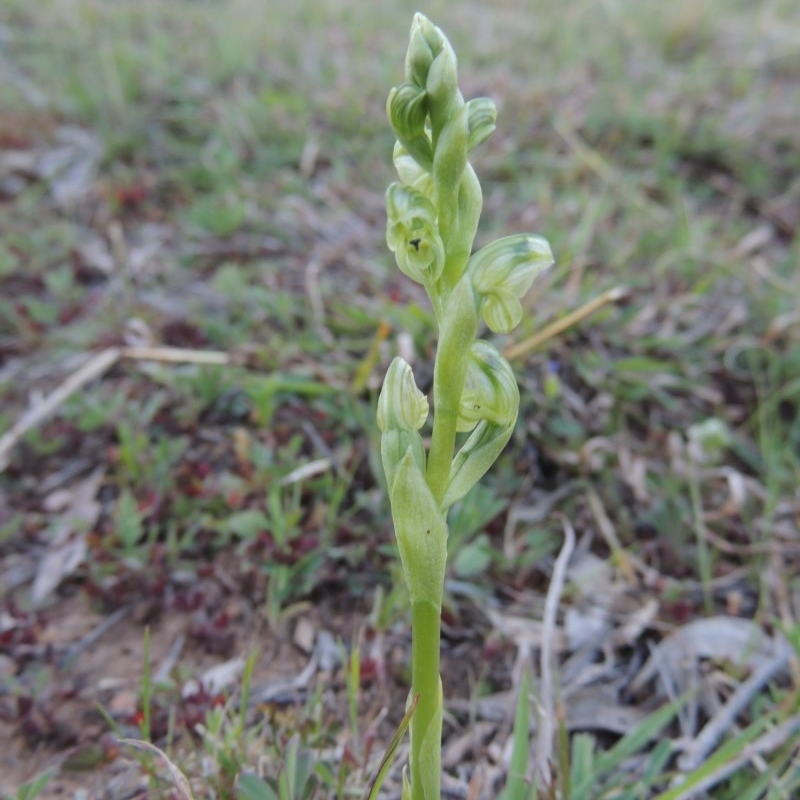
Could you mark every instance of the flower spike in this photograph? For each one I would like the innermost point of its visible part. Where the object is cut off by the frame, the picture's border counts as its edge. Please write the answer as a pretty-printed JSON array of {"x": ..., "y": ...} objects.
[{"x": 432, "y": 216}]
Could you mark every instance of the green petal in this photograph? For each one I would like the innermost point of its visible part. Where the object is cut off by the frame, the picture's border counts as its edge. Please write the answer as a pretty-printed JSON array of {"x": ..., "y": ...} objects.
[
  {"x": 501, "y": 311},
  {"x": 481, "y": 116}
]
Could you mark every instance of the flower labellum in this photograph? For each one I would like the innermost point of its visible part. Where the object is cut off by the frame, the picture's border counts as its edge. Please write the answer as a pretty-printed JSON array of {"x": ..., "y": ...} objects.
[{"x": 412, "y": 234}]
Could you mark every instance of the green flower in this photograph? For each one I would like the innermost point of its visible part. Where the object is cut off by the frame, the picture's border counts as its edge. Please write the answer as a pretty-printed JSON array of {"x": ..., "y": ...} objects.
[
  {"x": 407, "y": 109},
  {"x": 502, "y": 272},
  {"x": 490, "y": 389},
  {"x": 410, "y": 172},
  {"x": 412, "y": 234}
]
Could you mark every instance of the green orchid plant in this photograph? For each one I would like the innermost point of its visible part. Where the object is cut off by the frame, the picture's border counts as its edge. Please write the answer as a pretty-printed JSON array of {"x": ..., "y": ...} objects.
[{"x": 433, "y": 212}]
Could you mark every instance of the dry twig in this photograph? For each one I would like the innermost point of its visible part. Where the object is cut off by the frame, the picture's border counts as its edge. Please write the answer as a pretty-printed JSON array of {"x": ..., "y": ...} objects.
[
  {"x": 723, "y": 721},
  {"x": 95, "y": 367},
  {"x": 567, "y": 321},
  {"x": 764, "y": 744}
]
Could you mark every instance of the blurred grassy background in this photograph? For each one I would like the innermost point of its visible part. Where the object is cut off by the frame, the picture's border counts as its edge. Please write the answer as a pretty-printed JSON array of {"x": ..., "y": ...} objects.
[{"x": 228, "y": 194}]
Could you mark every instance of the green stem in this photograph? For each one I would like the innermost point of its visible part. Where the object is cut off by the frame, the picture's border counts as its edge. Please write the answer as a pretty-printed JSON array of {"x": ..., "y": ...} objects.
[
  {"x": 443, "y": 442},
  {"x": 426, "y": 724},
  {"x": 457, "y": 332}
]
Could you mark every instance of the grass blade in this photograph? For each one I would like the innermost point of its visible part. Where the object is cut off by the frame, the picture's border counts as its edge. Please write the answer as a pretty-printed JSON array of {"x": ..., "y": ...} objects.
[{"x": 386, "y": 761}]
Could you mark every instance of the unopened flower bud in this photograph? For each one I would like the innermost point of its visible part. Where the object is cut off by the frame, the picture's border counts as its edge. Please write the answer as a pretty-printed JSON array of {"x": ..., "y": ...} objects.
[
  {"x": 481, "y": 119},
  {"x": 412, "y": 233},
  {"x": 424, "y": 45},
  {"x": 401, "y": 405},
  {"x": 402, "y": 411},
  {"x": 407, "y": 109},
  {"x": 490, "y": 389},
  {"x": 444, "y": 98},
  {"x": 502, "y": 272}
]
